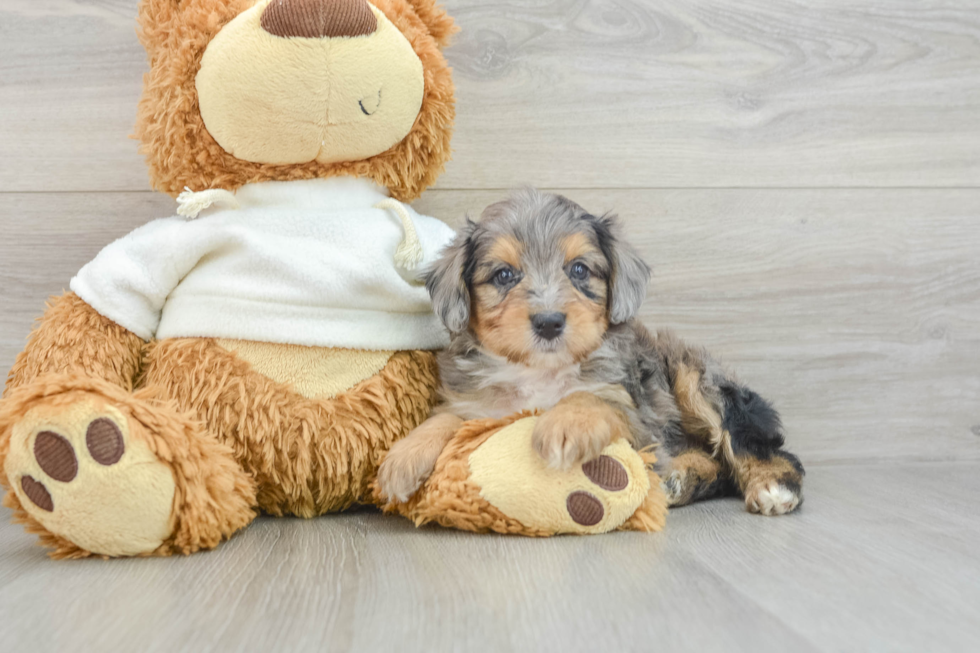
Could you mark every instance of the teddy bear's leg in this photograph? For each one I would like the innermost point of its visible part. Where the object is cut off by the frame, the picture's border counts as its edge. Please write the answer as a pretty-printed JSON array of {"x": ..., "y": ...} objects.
[
  {"x": 489, "y": 477},
  {"x": 72, "y": 338},
  {"x": 93, "y": 468},
  {"x": 311, "y": 451}
]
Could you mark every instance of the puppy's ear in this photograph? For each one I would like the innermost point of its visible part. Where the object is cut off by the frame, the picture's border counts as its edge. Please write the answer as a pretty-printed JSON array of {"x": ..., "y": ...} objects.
[
  {"x": 447, "y": 284},
  {"x": 630, "y": 273}
]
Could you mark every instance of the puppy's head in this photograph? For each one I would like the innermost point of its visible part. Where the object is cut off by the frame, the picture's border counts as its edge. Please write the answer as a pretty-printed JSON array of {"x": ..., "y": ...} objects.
[{"x": 538, "y": 280}]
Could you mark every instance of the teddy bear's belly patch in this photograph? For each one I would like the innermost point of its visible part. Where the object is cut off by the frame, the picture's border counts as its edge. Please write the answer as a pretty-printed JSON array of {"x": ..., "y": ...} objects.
[{"x": 314, "y": 372}]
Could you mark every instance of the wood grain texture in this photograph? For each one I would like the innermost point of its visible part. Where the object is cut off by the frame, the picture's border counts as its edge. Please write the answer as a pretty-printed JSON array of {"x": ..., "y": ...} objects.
[
  {"x": 880, "y": 558},
  {"x": 585, "y": 93}
]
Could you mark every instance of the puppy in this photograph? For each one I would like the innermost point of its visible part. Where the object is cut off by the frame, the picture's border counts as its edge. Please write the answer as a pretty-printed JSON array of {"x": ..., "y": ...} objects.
[{"x": 540, "y": 298}]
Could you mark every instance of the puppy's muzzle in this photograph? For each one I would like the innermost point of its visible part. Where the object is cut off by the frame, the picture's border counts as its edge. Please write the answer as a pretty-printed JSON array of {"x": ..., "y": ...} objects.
[{"x": 548, "y": 325}]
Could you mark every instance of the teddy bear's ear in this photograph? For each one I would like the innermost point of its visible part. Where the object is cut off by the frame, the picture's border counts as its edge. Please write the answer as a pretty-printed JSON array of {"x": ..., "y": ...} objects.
[
  {"x": 156, "y": 18},
  {"x": 441, "y": 25},
  {"x": 159, "y": 11}
]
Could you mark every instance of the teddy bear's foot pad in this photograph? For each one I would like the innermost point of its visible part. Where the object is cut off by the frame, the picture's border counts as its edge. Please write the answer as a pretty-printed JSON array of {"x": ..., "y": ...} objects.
[
  {"x": 594, "y": 497},
  {"x": 76, "y": 469},
  {"x": 584, "y": 507},
  {"x": 607, "y": 473},
  {"x": 56, "y": 457}
]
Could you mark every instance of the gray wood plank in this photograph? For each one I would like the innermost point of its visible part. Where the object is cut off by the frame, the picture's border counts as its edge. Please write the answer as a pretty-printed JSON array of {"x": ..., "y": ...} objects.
[
  {"x": 579, "y": 93},
  {"x": 873, "y": 561},
  {"x": 70, "y": 77},
  {"x": 861, "y": 570},
  {"x": 856, "y": 311}
]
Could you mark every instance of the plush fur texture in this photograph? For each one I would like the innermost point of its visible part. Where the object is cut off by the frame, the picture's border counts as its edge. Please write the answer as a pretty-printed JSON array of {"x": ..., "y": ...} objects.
[
  {"x": 417, "y": 455},
  {"x": 307, "y": 456},
  {"x": 180, "y": 152},
  {"x": 71, "y": 336},
  {"x": 578, "y": 428},
  {"x": 314, "y": 372},
  {"x": 651, "y": 516},
  {"x": 452, "y": 499},
  {"x": 234, "y": 441},
  {"x": 269, "y": 99},
  {"x": 214, "y": 497}
]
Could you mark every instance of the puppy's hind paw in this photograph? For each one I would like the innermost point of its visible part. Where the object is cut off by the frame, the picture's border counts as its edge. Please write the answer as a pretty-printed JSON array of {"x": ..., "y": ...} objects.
[
  {"x": 673, "y": 487},
  {"x": 772, "y": 498}
]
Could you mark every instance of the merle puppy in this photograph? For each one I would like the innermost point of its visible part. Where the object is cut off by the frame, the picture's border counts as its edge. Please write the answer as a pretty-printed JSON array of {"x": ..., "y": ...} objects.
[{"x": 540, "y": 298}]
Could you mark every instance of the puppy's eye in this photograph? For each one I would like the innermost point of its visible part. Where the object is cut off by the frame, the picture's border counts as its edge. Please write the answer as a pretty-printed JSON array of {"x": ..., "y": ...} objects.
[
  {"x": 578, "y": 272},
  {"x": 503, "y": 277}
]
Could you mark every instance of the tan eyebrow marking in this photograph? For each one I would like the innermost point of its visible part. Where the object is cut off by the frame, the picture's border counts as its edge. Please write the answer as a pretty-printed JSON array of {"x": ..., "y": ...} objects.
[
  {"x": 576, "y": 245},
  {"x": 507, "y": 249}
]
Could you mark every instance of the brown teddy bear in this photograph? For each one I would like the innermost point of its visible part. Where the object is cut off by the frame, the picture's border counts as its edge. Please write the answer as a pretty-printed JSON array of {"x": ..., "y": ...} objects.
[
  {"x": 265, "y": 354},
  {"x": 264, "y": 348}
]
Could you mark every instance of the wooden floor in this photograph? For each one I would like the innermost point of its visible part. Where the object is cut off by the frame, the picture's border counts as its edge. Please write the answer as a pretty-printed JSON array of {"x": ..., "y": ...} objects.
[{"x": 805, "y": 179}]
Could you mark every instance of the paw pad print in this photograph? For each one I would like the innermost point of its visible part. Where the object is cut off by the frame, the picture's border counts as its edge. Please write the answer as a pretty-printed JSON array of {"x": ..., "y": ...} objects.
[
  {"x": 56, "y": 457},
  {"x": 585, "y": 508},
  {"x": 78, "y": 468},
  {"x": 594, "y": 497}
]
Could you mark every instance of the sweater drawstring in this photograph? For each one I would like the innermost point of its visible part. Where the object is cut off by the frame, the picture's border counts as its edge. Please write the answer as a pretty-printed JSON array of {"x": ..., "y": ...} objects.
[
  {"x": 408, "y": 255},
  {"x": 190, "y": 204}
]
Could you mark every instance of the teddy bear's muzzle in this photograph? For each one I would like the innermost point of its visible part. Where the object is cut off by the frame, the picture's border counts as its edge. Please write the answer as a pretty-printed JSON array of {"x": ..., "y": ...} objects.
[{"x": 319, "y": 18}]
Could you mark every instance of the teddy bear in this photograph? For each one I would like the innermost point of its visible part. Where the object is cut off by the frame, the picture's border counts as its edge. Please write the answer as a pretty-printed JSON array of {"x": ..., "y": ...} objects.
[{"x": 262, "y": 349}]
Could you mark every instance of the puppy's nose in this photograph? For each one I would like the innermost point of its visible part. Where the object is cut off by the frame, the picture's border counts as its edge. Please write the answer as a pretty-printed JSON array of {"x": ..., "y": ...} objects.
[
  {"x": 548, "y": 325},
  {"x": 314, "y": 19}
]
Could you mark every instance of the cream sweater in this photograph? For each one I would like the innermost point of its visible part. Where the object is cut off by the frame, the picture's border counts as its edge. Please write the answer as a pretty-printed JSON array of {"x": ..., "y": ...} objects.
[{"x": 300, "y": 262}]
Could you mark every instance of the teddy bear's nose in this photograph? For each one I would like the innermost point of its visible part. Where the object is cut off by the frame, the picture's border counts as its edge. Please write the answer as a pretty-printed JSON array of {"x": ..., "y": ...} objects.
[{"x": 314, "y": 19}]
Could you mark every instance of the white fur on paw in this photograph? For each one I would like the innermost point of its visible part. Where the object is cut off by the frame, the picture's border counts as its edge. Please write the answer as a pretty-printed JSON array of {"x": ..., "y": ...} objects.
[
  {"x": 673, "y": 487},
  {"x": 772, "y": 499}
]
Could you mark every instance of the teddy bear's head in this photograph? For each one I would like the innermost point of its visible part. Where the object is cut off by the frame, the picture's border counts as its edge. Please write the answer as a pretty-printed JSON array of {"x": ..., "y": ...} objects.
[{"x": 242, "y": 91}]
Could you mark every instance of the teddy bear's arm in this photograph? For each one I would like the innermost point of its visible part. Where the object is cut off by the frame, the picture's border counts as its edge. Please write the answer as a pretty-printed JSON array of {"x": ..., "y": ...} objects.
[
  {"x": 73, "y": 337},
  {"x": 99, "y": 328}
]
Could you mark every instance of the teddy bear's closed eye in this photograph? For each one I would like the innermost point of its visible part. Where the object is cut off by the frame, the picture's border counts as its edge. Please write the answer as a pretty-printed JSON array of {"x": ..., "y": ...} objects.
[{"x": 370, "y": 104}]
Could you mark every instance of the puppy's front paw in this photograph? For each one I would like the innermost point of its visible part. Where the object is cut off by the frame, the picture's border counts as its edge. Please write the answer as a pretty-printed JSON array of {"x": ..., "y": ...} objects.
[
  {"x": 572, "y": 433},
  {"x": 404, "y": 469}
]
